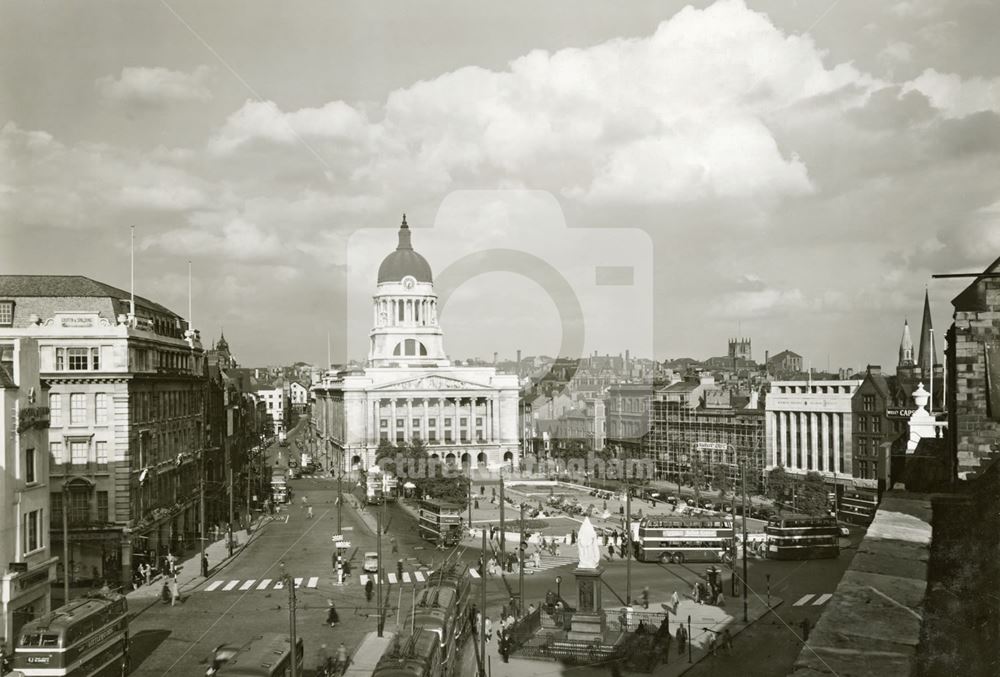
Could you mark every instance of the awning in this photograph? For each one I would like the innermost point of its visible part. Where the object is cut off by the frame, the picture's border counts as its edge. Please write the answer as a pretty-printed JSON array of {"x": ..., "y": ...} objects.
[{"x": 409, "y": 485}]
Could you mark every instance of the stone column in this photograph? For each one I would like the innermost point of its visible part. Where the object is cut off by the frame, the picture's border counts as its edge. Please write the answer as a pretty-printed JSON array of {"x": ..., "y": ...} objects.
[
  {"x": 838, "y": 424},
  {"x": 814, "y": 439},
  {"x": 409, "y": 419},
  {"x": 824, "y": 447},
  {"x": 392, "y": 422},
  {"x": 793, "y": 429},
  {"x": 772, "y": 436}
]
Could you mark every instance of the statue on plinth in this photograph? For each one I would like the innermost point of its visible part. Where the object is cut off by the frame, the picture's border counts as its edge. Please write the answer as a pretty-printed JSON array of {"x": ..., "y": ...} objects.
[{"x": 590, "y": 549}]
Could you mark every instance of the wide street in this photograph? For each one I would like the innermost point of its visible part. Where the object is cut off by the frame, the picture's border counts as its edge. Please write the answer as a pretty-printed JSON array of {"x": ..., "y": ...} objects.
[{"x": 246, "y": 597}]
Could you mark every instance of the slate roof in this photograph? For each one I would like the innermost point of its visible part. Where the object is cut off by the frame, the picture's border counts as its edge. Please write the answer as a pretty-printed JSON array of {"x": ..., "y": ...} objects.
[{"x": 12, "y": 286}]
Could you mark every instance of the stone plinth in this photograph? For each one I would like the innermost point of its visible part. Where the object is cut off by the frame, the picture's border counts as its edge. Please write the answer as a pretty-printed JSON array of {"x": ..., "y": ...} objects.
[{"x": 588, "y": 621}]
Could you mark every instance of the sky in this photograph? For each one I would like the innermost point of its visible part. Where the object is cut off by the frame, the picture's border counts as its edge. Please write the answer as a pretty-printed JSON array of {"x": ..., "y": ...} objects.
[{"x": 581, "y": 176}]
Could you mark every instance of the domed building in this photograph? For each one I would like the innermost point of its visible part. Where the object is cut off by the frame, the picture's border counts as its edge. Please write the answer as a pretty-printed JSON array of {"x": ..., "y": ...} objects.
[{"x": 409, "y": 390}]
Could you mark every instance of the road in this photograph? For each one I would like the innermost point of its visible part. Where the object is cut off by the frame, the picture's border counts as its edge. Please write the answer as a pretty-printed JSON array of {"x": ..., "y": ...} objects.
[{"x": 242, "y": 600}]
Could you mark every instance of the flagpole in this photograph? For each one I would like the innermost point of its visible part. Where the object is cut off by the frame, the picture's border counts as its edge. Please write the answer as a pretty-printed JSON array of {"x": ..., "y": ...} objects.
[
  {"x": 132, "y": 275},
  {"x": 190, "y": 314}
]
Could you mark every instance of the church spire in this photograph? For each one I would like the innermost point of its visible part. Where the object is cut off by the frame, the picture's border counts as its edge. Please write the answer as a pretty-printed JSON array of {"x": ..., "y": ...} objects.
[
  {"x": 925, "y": 360},
  {"x": 906, "y": 347}
]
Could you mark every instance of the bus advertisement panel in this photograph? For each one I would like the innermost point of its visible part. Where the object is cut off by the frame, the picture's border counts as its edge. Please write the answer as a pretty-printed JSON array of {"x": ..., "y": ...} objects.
[{"x": 685, "y": 539}]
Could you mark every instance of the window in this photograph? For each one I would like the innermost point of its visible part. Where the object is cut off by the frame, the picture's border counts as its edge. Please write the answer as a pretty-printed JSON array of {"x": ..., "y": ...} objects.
[
  {"x": 862, "y": 424},
  {"x": 60, "y": 359},
  {"x": 101, "y": 408},
  {"x": 479, "y": 421},
  {"x": 79, "y": 507},
  {"x": 95, "y": 358},
  {"x": 29, "y": 466},
  {"x": 56, "y": 508},
  {"x": 432, "y": 423},
  {"x": 101, "y": 452},
  {"x": 463, "y": 422},
  {"x": 868, "y": 402},
  {"x": 876, "y": 424},
  {"x": 55, "y": 410},
  {"x": 55, "y": 453},
  {"x": 32, "y": 531},
  {"x": 77, "y": 409},
  {"x": 77, "y": 359},
  {"x": 400, "y": 423},
  {"x": 447, "y": 423},
  {"x": 102, "y": 506},
  {"x": 6, "y": 313},
  {"x": 78, "y": 452},
  {"x": 416, "y": 423},
  {"x": 383, "y": 423}
]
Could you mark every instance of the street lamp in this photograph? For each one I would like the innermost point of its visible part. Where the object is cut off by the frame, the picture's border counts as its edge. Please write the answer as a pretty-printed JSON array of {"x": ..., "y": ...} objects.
[{"x": 559, "y": 587}]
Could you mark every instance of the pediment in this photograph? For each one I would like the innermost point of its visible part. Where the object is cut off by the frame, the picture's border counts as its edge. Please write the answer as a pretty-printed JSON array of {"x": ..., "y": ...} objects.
[{"x": 432, "y": 383}]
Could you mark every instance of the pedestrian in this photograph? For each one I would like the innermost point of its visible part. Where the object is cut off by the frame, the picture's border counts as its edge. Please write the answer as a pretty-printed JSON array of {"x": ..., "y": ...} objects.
[
  {"x": 204, "y": 566},
  {"x": 645, "y": 597},
  {"x": 332, "y": 617},
  {"x": 105, "y": 588},
  {"x": 667, "y": 639},
  {"x": 395, "y": 545},
  {"x": 681, "y": 639},
  {"x": 323, "y": 661},
  {"x": 369, "y": 588},
  {"x": 711, "y": 645},
  {"x": 399, "y": 570},
  {"x": 573, "y": 538},
  {"x": 489, "y": 630},
  {"x": 304, "y": 501},
  {"x": 805, "y": 629},
  {"x": 611, "y": 552},
  {"x": 727, "y": 641},
  {"x": 342, "y": 659},
  {"x": 675, "y": 600},
  {"x": 473, "y": 611},
  {"x": 148, "y": 573},
  {"x": 720, "y": 599},
  {"x": 175, "y": 593},
  {"x": 309, "y": 513}
]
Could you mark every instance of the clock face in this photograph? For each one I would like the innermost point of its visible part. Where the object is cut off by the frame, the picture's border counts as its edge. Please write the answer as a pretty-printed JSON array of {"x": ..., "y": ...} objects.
[{"x": 408, "y": 282}]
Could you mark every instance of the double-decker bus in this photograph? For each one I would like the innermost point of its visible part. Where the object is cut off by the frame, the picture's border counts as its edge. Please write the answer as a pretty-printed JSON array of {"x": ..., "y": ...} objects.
[
  {"x": 802, "y": 537},
  {"x": 87, "y": 636},
  {"x": 685, "y": 539},
  {"x": 440, "y": 522},
  {"x": 267, "y": 655}
]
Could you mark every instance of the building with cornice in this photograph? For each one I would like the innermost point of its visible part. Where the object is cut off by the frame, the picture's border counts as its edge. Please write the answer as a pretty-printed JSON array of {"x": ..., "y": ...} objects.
[
  {"x": 126, "y": 425},
  {"x": 408, "y": 389}
]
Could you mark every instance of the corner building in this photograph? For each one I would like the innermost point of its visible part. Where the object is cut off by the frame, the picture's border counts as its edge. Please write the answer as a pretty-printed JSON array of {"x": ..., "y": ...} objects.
[{"x": 409, "y": 390}]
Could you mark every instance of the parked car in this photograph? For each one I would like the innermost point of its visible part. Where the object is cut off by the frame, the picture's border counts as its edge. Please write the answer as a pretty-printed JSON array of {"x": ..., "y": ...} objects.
[{"x": 370, "y": 563}]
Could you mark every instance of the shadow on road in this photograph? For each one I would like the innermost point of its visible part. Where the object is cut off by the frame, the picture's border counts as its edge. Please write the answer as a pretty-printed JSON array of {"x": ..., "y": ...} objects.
[{"x": 145, "y": 643}]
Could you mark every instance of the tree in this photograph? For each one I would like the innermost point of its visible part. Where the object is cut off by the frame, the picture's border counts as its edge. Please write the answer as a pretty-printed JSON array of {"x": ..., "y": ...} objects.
[
  {"x": 778, "y": 484},
  {"x": 386, "y": 449},
  {"x": 721, "y": 481},
  {"x": 697, "y": 476},
  {"x": 812, "y": 499}
]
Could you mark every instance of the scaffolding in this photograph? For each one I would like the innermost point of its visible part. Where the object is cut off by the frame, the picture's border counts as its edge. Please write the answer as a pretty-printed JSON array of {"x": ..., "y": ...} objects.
[{"x": 685, "y": 441}]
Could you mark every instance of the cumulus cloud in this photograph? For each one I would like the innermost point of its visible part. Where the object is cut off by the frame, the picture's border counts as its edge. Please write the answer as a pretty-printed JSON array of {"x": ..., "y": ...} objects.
[
  {"x": 227, "y": 235},
  {"x": 155, "y": 86},
  {"x": 956, "y": 97},
  {"x": 264, "y": 120}
]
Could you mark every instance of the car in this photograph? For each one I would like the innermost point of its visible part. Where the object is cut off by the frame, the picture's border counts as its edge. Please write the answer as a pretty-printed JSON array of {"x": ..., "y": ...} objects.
[
  {"x": 370, "y": 563},
  {"x": 844, "y": 531}
]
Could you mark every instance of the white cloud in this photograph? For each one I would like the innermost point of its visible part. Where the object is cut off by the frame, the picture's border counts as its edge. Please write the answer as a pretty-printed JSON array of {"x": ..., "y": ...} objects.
[
  {"x": 227, "y": 235},
  {"x": 264, "y": 120},
  {"x": 151, "y": 86},
  {"x": 956, "y": 97}
]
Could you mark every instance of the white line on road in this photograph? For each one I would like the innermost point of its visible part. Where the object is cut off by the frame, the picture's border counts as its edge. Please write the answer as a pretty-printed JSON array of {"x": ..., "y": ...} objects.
[
  {"x": 264, "y": 583},
  {"x": 313, "y": 582},
  {"x": 363, "y": 578},
  {"x": 248, "y": 584},
  {"x": 280, "y": 585},
  {"x": 473, "y": 573},
  {"x": 213, "y": 585},
  {"x": 392, "y": 578},
  {"x": 803, "y": 600},
  {"x": 419, "y": 576},
  {"x": 406, "y": 576},
  {"x": 822, "y": 599},
  {"x": 298, "y": 582},
  {"x": 230, "y": 585}
]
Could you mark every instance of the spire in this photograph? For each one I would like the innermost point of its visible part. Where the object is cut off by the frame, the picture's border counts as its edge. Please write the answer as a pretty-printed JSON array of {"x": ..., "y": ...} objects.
[
  {"x": 925, "y": 360},
  {"x": 906, "y": 347},
  {"x": 404, "y": 236}
]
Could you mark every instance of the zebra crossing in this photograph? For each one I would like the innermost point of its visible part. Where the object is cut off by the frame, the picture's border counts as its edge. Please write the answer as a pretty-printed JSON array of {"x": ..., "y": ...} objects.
[
  {"x": 248, "y": 584},
  {"x": 813, "y": 599}
]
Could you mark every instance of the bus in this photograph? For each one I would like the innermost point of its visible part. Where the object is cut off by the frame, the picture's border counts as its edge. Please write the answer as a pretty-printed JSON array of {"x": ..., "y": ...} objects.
[
  {"x": 87, "y": 636},
  {"x": 802, "y": 537},
  {"x": 440, "y": 522},
  {"x": 267, "y": 655},
  {"x": 685, "y": 539}
]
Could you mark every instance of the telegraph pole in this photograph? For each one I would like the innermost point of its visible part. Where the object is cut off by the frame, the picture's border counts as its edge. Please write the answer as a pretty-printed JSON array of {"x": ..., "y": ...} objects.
[
  {"x": 520, "y": 575},
  {"x": 627, "y": 536},
  {"x": 290, "y": 584},
  {"x": 229, "y": 536},
  {"x": 482, "y": 616},
  {"x": 743, "y": 476},
  {"x": 378, "y": 581},
  {"x": 66, "y": 566},
  {"x": 201, "y": 503},
  {"x": 503, "y": 528}
]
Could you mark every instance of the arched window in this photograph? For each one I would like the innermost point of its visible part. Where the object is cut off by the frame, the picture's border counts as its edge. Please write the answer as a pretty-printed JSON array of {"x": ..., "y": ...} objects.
[
  {"x": 423, "y": 349},
  {"x": 398, "y": 349},
  {"x": 411, "y": 347}
]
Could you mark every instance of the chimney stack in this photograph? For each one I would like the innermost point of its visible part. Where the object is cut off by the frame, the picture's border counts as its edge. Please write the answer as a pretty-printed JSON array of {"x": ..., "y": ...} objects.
[{"x": 494, "y": 358}]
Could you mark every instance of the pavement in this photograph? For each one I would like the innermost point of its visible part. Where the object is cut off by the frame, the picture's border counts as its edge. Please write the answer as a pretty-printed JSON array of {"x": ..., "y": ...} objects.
[{"x": 705, "y": 621}]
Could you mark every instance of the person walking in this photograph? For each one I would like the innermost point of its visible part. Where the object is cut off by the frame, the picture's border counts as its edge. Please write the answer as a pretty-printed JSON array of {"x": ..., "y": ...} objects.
[
  {"x": 645, "y": 597},
  {"x": 369, "y": 588},
  {"x": 675, "y": 601},
  {"x": 309, "y": 513},
  {"x": 323, "y": 660},
  {"x": 489, "y": 630},
  {"x": 682, "y": 636},
  {"x": 204, "y": 566},
  {"x": 175, "y": 593},
  {"x": 342, "y": 658},
  {"x": 395, "y": 545},
  {"x": 727, "y": 641},
  {"x": 332, "y": 617}
]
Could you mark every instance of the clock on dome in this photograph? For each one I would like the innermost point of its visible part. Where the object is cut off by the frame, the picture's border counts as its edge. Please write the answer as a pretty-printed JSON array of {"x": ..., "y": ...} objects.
[{"x": 409, "y": 281}]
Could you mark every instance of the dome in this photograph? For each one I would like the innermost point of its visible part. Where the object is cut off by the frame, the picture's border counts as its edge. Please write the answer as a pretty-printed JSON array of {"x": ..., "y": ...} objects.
[{"x": 404, "y": 261}]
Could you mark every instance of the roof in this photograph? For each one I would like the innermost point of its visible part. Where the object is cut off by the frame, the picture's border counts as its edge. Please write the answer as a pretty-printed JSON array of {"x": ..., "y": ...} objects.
[
  {"x": 68, "y": 285},
  {"x": 973, "y": 297},
  {"x": 783, "y": 354},
  {"x": 681, "y": 387},
  {"x": 404, "y": 261}
]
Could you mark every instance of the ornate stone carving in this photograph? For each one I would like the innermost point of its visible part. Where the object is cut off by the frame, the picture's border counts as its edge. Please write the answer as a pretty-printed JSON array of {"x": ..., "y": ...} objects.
[{"x": 590, "y": 549}]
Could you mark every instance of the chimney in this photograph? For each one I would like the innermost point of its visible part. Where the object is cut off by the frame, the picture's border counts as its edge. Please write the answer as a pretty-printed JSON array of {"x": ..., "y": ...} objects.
[
  {"x": 494, "y": 358},
  {"x": 875, "y": 369},
  {"x": 628, "y": 368},
  {"x": 767, "y": 357}
]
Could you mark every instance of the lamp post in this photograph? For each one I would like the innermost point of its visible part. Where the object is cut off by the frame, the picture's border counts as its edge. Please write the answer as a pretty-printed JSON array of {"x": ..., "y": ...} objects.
[{"x": 559, "y": 587}]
